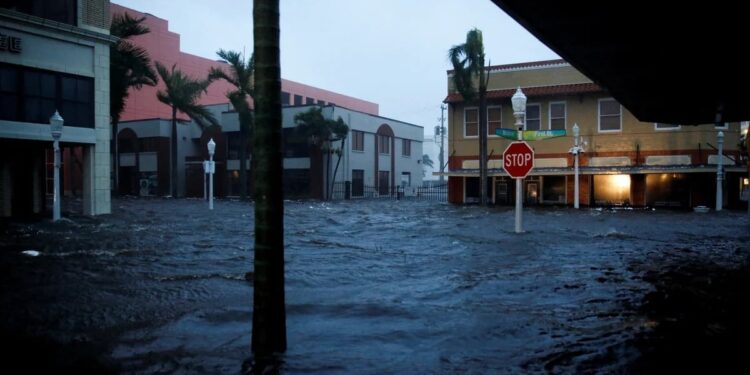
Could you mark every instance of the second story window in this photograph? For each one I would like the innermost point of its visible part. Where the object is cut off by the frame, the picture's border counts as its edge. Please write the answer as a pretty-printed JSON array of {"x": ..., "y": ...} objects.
[
  {"x": 384, "y": 144},
  {"x": 610, "y": 115},
  {"x": 557, "y": 115},
  {"x": 284, "y": 98},
  {"x": 406, "y": 147},
  {"x": 494, "y": 119},
  {"x": 471, "y": 122},
  {"x": 533, "y": 117},
  {"x": 358, "y": 140},
  {"x": 298, "y": 100},
  {"x": 59, "y": 10},
  {"x": 309, "y": 101}
]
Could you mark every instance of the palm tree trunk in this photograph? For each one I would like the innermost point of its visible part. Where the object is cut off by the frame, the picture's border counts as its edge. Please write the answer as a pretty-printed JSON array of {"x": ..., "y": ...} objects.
[
  {"x": 269, "y": 313},
  {"x": 173, "y": 156},
  {"x": 335, "y": 170}
]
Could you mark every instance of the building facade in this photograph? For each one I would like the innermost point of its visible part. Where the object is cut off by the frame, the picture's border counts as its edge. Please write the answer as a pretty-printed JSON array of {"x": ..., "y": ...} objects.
[
  {"x": 377, "y": 155},
  {"x": 54, "y": 56},
  {"x": 143, "y": 133},
  {"x": 625, "y": 161}
]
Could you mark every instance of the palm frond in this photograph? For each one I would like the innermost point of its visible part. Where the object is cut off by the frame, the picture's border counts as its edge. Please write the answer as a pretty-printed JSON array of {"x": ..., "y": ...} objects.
[{"x": 124, "y": 26}]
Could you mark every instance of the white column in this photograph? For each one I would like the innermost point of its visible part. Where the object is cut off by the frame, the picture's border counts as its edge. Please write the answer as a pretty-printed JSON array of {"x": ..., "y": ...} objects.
[{"x": 212, "y": 165}]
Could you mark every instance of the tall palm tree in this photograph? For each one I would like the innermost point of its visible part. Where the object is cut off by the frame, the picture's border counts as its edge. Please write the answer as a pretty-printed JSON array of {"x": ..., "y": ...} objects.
[
  {"x": 240, "y": 75},
  {"x": 468, "y": 66},
  {"x": 182, "y": 93},
  {"x": 269, "y": 312},
  {"x": 130, "y": 66},
  {"x": 320, "y": 132}
]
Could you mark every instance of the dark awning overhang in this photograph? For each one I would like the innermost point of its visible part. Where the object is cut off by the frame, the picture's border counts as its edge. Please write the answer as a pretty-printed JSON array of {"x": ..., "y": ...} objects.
[{"x": 674, "y": 63}]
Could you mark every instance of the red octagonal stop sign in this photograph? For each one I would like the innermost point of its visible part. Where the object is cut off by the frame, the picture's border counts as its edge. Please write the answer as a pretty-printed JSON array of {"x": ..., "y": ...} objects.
[{"x": 518, "y": 159}]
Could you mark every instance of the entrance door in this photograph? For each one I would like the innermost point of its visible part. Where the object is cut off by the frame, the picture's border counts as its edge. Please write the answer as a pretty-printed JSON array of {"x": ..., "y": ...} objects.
[
  {"x": 532, "y": 193},
  {"x": 383, "y": 178},
  {"x": 501, "y": 192}
]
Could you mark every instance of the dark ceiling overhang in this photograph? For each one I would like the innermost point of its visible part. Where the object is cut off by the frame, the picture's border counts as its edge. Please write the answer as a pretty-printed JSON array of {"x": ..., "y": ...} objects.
[{"x": 677, "y": 63}]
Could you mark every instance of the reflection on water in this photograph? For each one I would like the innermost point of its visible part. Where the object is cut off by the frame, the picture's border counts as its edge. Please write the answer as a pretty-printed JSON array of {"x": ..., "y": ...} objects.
[{"x": 372, "y": 286}]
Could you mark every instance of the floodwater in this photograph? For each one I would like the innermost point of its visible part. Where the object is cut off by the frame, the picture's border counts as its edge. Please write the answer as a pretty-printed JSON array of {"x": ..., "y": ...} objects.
[{"x": 371, "y": 286}]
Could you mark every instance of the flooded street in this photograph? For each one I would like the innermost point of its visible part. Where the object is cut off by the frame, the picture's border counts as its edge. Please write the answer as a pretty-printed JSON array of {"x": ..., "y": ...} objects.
[{"x": 371, "y": 286}]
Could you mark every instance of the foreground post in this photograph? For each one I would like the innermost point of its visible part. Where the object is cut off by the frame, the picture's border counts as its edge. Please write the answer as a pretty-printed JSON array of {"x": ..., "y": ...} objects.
[
  {"x": 56, "y": 126},
  {"x": 719, "y": 173},
  {"x": 269, "y": 314}
]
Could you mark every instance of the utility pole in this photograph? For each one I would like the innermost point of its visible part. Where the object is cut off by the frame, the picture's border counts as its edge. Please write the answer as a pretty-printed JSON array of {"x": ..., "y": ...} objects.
[{"x": 441, "y": 156}]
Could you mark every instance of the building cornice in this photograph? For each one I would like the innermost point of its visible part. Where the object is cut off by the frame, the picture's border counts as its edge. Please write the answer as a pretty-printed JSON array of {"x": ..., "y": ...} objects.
[{"x": 38, "y": 22}]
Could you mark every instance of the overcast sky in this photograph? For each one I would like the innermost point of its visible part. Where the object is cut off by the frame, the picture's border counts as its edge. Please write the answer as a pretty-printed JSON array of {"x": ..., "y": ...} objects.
[{"x": 391, "y": 52}]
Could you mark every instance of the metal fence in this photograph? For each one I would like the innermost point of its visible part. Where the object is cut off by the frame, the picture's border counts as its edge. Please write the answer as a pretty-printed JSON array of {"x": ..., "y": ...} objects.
[{"x": 347, "y": 190}]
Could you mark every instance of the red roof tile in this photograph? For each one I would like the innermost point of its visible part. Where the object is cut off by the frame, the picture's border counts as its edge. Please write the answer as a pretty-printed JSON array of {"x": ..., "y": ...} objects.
[
  {"x": 530, "y": 64},
  {"x": 575, "y": 88}
]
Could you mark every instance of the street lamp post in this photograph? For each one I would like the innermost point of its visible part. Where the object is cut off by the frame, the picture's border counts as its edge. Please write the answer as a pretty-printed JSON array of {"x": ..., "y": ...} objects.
[
  {"x": 575, "y": 151},
  {"x": 519, "y": 111},
  {"x": 211, "y": 171},
  {"x": 56, "y": 127},
  {"x": 719, "y": 172}
]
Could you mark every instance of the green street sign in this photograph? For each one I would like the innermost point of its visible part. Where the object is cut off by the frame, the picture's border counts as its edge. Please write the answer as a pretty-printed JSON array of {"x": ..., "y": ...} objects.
[
  {"x": 536, "y": 135},
  {"x": 529, "y": 135},
  {"x": 507, "y": 133}
]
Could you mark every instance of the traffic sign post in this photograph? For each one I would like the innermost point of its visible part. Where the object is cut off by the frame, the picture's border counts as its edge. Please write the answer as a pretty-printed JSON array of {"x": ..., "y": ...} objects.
[{"x": 518, "y": 161}]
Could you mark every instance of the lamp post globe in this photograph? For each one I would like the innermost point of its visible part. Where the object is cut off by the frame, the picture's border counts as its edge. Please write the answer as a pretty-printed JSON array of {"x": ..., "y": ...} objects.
[
  {"x": 519, "y": 104},
  {"x": 56, "y": 127}
]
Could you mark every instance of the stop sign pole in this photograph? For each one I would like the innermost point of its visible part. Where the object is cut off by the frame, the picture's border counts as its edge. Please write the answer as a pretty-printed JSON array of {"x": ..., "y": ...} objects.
[
  {"x": 519, "y": 111},
  {"x": 518, "y": 161}
]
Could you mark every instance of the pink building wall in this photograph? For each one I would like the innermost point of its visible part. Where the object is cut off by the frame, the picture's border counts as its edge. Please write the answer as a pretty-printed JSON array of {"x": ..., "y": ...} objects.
[{"x": 164, "y": 46}]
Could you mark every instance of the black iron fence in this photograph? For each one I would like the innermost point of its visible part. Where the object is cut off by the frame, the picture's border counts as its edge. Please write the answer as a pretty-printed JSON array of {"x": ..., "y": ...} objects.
[{"x": 347, "y": 190}]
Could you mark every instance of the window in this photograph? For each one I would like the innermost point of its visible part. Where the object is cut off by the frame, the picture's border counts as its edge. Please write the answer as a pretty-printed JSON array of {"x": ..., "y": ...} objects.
[
  {"x": 384, "y": 144},
  {"x": 77, "y": 96},
  {"x": 309, "y": 101},
  {"x": 557, "y": 115},
  {"x": 471, "y": 122},
  {"x": 293, "y": 144},
  {"x": 358, "y": 182},
  {"x": 298, "y": 100},
  {"x": 321, "y": 102},
  {"x": 60, "y": 10},
  {"x": 358, "y": 140},
  {"x": 406, "y": 147},
  {"x": 533, "y": 117},
  {"x": 663, "y": 126},
  {"x": 494, "y": 119},
  {"x": 39, "y": 96},
  {"x": 553, "y": 189},
  {"x": 285, "y": 98},
  {"x": 32, "y": 95},
  {"x": 610, "y": 115}
]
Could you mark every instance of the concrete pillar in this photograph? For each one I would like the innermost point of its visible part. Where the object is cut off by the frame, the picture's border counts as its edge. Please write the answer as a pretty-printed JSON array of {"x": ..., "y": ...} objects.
[{"x": 38, "y": 184}]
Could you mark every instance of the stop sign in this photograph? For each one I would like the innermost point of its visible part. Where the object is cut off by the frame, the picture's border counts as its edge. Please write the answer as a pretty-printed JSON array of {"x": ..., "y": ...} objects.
[{"x": 518, "y": 159}]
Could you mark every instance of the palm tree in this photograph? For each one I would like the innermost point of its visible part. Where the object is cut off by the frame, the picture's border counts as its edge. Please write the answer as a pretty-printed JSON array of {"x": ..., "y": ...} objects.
[
  {"x": 269, "y": 312},
  {"x": 130, "y": 66},
  {"x": 468, "y": 65},
  {"x": 320, "y": 132},
  {"x": 182, "y": 93},
  {"x": 426, "y": 162},
  {"x": 240, "y": 75}
]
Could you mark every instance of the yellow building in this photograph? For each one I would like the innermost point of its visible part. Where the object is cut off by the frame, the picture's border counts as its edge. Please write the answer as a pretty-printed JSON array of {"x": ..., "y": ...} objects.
[{"x": 625, "y": 161}]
